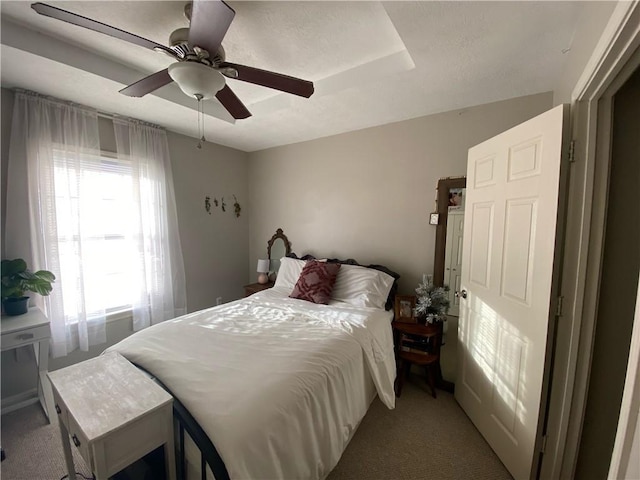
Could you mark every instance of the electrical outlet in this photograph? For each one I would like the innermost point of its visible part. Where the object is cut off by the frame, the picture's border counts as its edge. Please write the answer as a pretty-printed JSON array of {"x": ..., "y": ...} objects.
[{"x": 218, "y": 300}]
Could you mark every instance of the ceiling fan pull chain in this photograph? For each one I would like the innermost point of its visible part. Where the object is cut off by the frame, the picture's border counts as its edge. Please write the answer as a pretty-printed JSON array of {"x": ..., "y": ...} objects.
[
  {"x": 199, "y": 99},
  {"x": 202, "y": 139}
]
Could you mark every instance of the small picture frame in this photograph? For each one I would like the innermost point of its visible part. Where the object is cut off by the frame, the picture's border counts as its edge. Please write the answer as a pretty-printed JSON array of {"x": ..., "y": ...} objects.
[
  {"x": 404, "y": 307},
  {"x": 456, "y": 199}
]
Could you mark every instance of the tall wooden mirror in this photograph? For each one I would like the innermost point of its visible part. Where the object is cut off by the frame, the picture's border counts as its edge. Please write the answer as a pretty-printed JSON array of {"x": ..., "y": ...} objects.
[
  {"x": 446, "y": 270},
  {"x": 278, "y": 247}
]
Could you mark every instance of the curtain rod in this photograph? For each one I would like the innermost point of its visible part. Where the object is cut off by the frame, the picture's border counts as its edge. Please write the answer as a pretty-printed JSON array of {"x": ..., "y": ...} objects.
[
  {"x": 110, "y": 116},
  {"x": 113, "y": 116}
]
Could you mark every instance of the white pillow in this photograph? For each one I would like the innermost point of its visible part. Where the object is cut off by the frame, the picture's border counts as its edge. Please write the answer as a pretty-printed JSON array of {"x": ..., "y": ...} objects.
[
  {"x": 289, "y": 272},
  {"x": 362, "y": 287}
]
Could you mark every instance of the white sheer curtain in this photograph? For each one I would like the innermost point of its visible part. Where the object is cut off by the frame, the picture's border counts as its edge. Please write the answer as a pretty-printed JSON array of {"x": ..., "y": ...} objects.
[
  {"x": 157, "y": 263},
  {"x": 53, "y": 146},
  {"x": 105, "y": 226}
]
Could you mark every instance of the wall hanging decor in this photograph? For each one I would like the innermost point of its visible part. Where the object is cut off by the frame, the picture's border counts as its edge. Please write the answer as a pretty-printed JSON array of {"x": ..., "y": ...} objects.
[{"x": 236, "y": 206}]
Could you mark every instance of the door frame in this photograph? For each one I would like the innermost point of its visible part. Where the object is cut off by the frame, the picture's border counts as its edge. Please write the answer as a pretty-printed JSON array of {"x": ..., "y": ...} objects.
[{"x": 591, "y": 119}]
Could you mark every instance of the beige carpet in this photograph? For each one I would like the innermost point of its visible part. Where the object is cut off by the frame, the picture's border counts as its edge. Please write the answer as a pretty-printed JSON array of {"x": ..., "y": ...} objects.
[
  {"x": 423, "y": 438},
  {"x": 33, "y": 447}
]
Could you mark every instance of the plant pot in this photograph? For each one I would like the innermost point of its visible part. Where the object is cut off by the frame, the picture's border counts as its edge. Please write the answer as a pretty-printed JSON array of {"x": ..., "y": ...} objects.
[{"x": 16, "y": 306}]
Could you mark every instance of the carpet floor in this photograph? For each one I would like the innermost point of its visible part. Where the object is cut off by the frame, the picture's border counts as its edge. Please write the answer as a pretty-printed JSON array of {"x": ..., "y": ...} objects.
[{"x": 423, "y": 438}]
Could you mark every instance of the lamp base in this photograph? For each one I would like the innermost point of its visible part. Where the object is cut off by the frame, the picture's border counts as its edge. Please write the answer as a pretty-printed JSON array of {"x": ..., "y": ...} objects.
[{"x": 263, "y": 278}]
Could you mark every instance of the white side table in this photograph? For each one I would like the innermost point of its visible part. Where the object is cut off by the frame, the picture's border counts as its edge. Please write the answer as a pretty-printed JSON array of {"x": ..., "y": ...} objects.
[
  {"x": 114, "y": 414},
  {"x": 32, "y": 328}
]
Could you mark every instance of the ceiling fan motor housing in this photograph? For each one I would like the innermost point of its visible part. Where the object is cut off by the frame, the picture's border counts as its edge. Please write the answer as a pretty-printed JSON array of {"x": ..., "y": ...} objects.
[{"x": 181, "y": 35}]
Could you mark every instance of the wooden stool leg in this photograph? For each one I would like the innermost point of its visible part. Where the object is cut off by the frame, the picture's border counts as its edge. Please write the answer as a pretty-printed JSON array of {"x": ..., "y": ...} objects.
[{"x": 431, "y": 378}]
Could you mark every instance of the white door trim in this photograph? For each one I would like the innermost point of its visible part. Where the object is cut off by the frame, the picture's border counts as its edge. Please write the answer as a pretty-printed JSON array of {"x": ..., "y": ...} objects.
[{"x": 584, "y": 237}]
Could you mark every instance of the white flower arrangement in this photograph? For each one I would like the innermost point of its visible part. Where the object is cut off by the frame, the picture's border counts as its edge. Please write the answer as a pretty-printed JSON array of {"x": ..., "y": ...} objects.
[{"x": 432, "y": 302}]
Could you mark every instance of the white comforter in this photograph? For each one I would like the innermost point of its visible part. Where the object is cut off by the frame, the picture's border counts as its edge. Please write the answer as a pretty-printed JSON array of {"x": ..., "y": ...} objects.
[{"x": 269, "y": 379}]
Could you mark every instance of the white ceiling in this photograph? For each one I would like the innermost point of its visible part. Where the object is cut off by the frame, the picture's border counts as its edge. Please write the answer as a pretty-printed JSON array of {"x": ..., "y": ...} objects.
[{"x": 372, "y": 63}]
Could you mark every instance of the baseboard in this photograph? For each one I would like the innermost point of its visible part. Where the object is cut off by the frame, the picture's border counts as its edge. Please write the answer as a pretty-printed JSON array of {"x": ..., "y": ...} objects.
[{"x": 15, "y": 402}]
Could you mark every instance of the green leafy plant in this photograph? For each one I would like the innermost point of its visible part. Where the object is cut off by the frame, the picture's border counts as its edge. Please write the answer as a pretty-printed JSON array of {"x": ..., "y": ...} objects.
[
  {"x": 432, "y": 302},
  {"x": 17, "y": 279}
]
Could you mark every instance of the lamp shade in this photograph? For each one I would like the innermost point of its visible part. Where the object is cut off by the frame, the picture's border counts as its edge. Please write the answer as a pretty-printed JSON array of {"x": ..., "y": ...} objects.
[
  {"x": 196, "y": 79},
  {"x": 263, "y": 266}
]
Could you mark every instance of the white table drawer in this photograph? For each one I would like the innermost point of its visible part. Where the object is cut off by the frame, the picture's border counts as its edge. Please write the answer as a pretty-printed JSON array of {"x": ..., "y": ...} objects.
[
  {"x": 24, "y": 337},
  {"x": 61, "y": 409},
  {"x": 81, "y": 442}
]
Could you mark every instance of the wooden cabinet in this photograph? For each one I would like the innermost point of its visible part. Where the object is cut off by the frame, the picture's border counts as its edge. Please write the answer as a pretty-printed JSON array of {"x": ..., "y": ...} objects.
[
  {"x": 256, "y": 287},
  {"x": 113, "y": 413}
]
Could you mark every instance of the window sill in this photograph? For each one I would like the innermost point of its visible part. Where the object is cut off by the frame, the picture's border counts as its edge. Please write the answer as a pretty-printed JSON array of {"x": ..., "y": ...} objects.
[
  {"x": 119, "y": 315},
  {"x": 114, "y": 316}
]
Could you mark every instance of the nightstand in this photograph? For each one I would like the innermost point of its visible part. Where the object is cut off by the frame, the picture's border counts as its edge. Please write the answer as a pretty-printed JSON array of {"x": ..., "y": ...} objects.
[
  {"x": 114, "y": 414},
  {"x": 256, "y": 287},
  {"x": 32, "y": 328},
  {"x": 418, "y": 344}
]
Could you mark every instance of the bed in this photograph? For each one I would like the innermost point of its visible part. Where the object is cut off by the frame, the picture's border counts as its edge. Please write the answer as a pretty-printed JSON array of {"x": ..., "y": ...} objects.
[{"x": 277, "y": 384}]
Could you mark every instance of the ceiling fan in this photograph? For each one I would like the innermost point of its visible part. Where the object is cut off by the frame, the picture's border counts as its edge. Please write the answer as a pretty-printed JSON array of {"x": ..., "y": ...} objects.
[{"x": 200, "y": 67}]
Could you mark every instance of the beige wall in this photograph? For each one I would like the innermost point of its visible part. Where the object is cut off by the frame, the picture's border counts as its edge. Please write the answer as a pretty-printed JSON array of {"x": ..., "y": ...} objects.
[
  {"x": 368, "y": 194},
  {"x": 592, "y": 21},
  {"x": 215, "y": 247}
]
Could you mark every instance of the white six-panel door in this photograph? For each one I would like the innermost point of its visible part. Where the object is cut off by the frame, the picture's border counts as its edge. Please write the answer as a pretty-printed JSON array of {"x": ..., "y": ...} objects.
[{"x": 507, "y": 265}]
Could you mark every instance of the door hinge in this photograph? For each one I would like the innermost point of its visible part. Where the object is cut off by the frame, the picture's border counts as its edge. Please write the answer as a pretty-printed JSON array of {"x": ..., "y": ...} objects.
[
  {"x": 543, "y": 447},
  {"x": 559, "y": 303},
  {"x": 572, "y": 151}
]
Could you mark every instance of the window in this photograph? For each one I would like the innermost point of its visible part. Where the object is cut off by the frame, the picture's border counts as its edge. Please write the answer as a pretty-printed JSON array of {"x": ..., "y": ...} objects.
[{"x": 95, "y": 233}]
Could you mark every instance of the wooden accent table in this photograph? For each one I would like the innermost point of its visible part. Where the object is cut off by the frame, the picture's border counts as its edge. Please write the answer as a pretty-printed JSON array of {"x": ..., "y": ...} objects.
[
  {"x": 114, "y": 413},
  {"x": 429, "y": 339},
  {"x": 256, "y": 287}
]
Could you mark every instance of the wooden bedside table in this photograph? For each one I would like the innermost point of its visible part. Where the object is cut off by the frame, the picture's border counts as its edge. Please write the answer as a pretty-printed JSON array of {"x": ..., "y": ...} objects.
[
  {"x": 32, "y": 328},
  {"x": 420, "y": 345},
  {"x": 256, "y": 287},
  {"x": 114, "y": 413}
]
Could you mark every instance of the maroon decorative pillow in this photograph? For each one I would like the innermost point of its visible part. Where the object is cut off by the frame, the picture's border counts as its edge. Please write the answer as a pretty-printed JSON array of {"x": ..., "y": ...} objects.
[{"x": 316, "y": 281}]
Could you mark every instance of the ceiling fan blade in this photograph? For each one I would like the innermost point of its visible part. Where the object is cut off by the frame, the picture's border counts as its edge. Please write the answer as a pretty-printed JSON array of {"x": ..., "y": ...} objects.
[
  {"x": 148, "y": 84},
  {"x": 232, "y": 103},
  {"x": 277, "y": 81},
  {"x": 210, "y": 21},
  {"x": 69, "y": 17}
]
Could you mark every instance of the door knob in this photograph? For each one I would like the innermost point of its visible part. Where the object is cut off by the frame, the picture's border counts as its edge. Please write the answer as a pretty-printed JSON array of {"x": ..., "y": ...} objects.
[{"x": 462, "y": 293}]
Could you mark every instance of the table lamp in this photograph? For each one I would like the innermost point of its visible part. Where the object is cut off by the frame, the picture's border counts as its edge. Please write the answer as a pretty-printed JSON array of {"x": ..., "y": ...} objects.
[{"x": 263, "y": 269}]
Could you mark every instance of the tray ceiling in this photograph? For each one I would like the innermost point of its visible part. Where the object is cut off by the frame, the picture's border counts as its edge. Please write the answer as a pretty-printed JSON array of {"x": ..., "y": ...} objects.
[{"x": 372, "y": 63}]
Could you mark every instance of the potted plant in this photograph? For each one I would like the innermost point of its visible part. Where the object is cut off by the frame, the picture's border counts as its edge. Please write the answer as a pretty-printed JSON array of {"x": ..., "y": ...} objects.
[
  {"x": 432, "y": 302},
  {"x": 17, "y": 279}
]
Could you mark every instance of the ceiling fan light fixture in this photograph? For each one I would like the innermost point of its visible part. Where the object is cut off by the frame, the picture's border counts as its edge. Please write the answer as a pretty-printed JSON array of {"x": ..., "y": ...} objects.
[{"x": 196, "y": 79}]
